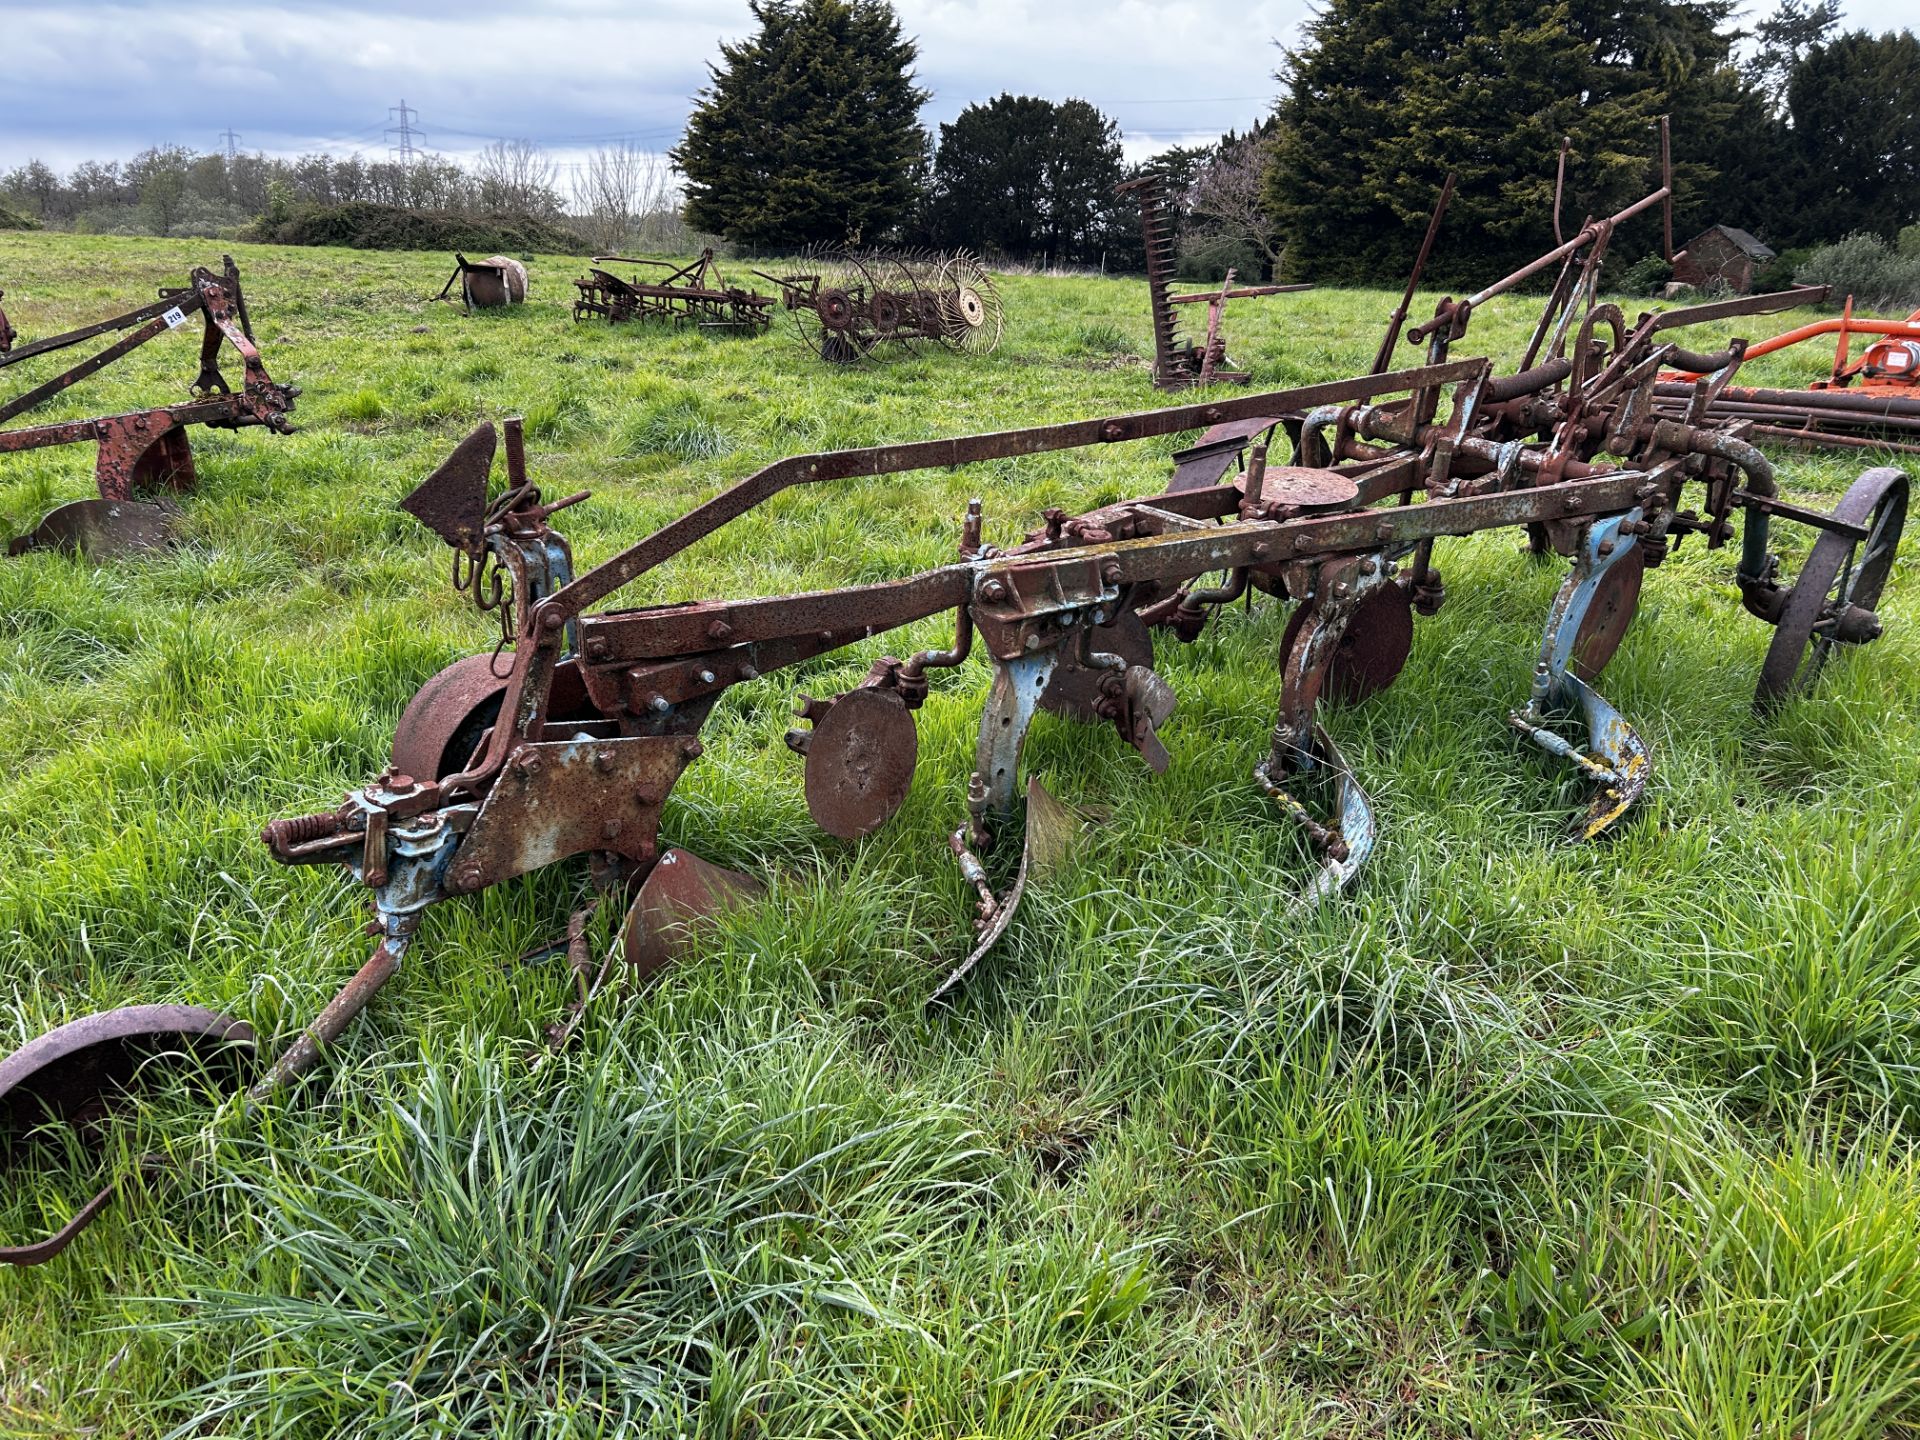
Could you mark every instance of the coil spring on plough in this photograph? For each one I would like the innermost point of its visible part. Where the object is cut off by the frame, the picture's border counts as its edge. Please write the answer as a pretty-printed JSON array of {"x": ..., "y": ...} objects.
[{"x": 574, "y": 751}]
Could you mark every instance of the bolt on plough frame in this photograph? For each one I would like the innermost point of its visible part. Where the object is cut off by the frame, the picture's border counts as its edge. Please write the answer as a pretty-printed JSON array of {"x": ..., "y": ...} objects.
[
  {"x": 144, "y": 449},
  {"x": 570, "y": 746}
]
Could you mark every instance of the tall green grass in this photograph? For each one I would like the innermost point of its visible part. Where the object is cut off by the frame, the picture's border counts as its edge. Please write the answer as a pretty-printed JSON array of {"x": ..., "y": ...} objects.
[{"x": 1517, "y": 1139}]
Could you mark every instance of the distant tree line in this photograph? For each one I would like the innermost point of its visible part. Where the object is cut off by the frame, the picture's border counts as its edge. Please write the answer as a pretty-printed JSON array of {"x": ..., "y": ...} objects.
[
  {"x": 809, "y": 133},
  {"x": 621, "y": 195}
]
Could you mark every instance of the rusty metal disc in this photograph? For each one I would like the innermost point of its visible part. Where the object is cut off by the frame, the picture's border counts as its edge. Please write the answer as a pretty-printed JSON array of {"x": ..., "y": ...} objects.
[
  {"x": 1075, "y": 690},
  {"x": 1305, "y": 488},
  {"x": 447, "y": 716},
  {"x": 1372, "y": 650},
  {"x": 444, "y": 722},
  {"x": 681, "y": 891},
  {"x": 860, "y": 761},
  {"x": 74, "y": 1073},
  {"x": 1605, "y": 624},
  {"x": 99, "y": 529},
  {"x": 835, "y": 309}
]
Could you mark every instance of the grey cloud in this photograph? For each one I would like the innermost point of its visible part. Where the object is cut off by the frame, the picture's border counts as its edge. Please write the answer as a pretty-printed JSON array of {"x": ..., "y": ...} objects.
[{"x": 105, "y": 77}]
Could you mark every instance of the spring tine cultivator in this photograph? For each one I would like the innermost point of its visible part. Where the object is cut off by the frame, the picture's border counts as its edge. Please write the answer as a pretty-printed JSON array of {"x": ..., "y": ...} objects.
[
  {"x": 847, "y": 303},
  {"x": 1177, "y": 361},
  {"x": 688, "y": 294},
  {"x": 145, "y": 449}
]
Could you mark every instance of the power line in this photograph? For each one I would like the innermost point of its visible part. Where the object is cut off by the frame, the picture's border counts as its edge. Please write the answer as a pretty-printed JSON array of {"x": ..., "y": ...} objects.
[
  {"x": 404, "y": 150},
  {"x": 233, "y": 141}
]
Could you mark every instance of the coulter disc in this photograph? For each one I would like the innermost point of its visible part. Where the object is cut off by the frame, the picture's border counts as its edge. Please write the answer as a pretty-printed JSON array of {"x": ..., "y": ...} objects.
[
  {"x": 1605, "y": 624},
  {"x": 1372, "y": 650},
  {"x": 860, "y": 761}
]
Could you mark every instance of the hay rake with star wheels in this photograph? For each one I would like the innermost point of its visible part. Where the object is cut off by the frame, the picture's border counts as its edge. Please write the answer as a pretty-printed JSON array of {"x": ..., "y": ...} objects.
[{"x": 848, "y": 304}]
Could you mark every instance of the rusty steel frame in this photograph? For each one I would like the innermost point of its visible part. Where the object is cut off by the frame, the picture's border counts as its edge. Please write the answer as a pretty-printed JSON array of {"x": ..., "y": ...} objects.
[
  {"x": 1178, "y": 363},
  {"x": 149, "y": 449},
  {"x": 570, "y": 745},
  {"x": 695, "y": 292}
]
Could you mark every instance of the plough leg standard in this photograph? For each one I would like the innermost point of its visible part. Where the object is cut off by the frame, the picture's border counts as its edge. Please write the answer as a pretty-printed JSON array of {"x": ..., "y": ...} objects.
[
  {"x": 570, "y": 748},
  {"x": 145, "y": 449}
]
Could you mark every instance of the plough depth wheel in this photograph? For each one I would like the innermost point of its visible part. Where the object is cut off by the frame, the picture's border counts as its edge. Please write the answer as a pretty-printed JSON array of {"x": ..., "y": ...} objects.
[{"x": 1833, "y": 600}]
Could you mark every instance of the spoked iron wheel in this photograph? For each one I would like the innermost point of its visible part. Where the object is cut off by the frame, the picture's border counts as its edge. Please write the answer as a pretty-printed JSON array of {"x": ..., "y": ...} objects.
[
  {"x": 1840, "y": 582},
  {"x": 834, "y": 325},
  {"x": 970, "y": 306},
  {"x": 892, "y": 304}
]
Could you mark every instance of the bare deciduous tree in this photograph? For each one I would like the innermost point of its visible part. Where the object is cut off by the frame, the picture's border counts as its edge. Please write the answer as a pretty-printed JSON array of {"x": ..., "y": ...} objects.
[
  {"x": 1225, "y": 203},
  {"x": 518, "y": 176},
  {"x": 627, "y": 197}
]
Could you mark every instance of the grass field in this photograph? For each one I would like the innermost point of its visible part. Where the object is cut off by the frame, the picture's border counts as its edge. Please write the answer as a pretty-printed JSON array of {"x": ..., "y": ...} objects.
[{"x": 1516, "y": 1139}]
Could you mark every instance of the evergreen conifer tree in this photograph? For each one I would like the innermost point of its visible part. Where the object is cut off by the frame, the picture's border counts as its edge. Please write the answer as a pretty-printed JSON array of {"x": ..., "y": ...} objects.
[
  {"x": 1386, "y": 96},
  {"x": 809, "y": 131}
]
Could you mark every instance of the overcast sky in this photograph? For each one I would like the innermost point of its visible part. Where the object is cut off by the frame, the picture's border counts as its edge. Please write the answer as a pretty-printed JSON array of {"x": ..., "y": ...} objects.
[{"x": 86, "y": 79}]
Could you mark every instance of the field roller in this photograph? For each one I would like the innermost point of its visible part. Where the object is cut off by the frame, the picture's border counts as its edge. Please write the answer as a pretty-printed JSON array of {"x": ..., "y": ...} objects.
[{"x": 563, "y": 741}]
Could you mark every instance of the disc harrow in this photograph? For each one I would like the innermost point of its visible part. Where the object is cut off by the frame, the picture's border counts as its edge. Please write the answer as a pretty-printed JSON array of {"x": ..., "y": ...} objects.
[
  {"x": 846, "y": 303},
  {"x": 145, "y": 450},
  {"x": 690, "y": 294}
]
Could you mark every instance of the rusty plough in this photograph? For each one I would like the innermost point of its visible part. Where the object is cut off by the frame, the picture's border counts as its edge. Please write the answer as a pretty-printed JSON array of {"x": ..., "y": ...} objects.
[
  {"x": 846, "y": 303},
  {"x": 145, "y": 450},
  {"x": 567, "y": 740},
  {"x": 697, "y": 293}
]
